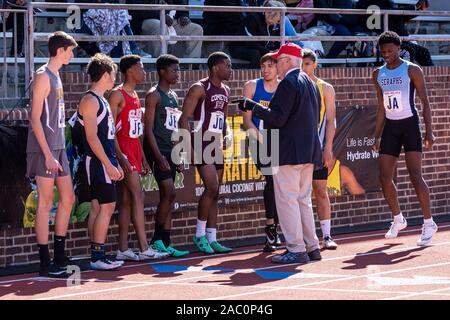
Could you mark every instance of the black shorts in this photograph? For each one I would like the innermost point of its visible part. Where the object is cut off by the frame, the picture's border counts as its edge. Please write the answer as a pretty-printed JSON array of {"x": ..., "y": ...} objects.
[
  {"x": 320, "y": 174},
  {"x": 159, "y": 174},
  {"x": 101, "y": 187},
  {"x": 398, "y": 133}
]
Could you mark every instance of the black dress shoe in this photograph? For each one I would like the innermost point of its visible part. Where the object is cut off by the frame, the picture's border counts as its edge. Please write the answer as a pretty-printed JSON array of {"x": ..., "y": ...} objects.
[{"x": 315, "y": 255}]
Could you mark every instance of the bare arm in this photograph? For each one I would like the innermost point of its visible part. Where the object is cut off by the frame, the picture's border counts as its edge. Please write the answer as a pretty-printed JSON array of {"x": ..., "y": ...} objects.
[
  {"x": 249, "y": 92},
  {"x": 380, "y": 118},
  {"x": 116, "y": 103},
  {"x": 227, "y": 131},
  {"x": 195, "y": 94},
  {"x": 152, "y": 100},
  {"x": 330, "y": 107},
  {"x": 417, "y": 77},
  {"x": 88, "y": 109}
]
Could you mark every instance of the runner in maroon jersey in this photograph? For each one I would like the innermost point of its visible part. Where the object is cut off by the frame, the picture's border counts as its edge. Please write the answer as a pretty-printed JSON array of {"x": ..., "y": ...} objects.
[{"x": 207, "y": 102}]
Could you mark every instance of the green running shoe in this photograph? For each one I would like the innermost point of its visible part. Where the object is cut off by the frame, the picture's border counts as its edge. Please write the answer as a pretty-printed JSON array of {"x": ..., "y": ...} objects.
[
  {"x": 175, "y": 252},
  {"x": 218, "y": 248},
  {"x": 159, "y": 246},
  {"x": 203, "y": 245}
]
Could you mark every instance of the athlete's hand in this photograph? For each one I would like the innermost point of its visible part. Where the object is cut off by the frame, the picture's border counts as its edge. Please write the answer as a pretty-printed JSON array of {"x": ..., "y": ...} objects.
[
  {"x": 244, "y": 103},
  {"x": 145, "y": 167},
  {"x": 122, "y": 174},
  {"x": 126, "y": 166},
  {"x": 429, "y": 140},
  {"x": 327, "y": 158},
  {"x": 52, "y": 165},
  {"x": 163, "y": 164},
  {"x": 227, "y": 140},
  {"x": 376, "y": 145},
  {"x": 114, "y": 173}
]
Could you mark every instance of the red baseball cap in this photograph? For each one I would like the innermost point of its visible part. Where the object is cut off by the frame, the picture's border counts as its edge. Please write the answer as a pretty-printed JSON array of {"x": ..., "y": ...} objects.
[{"x": 289, "y": 48}]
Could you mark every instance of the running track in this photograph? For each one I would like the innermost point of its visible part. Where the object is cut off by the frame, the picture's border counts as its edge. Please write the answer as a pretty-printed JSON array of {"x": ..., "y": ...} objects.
[{"x": 365, "y": 266}]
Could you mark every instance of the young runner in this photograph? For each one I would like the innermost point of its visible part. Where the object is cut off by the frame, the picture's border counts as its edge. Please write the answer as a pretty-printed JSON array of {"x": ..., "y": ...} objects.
[
  {"x": 46, "y": 154},
  {"x": 397, "y": 126},
  {"x": 207, "y": 102},
  {"x": 162, "y": 113}
]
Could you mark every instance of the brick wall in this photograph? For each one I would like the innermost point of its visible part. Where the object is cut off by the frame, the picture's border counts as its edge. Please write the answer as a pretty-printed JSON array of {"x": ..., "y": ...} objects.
[{"x": 353, "y": 87}]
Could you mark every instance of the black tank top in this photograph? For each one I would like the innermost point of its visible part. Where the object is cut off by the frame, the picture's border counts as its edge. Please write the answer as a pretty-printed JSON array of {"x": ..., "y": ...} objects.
[{"x": 105, "y": 130}]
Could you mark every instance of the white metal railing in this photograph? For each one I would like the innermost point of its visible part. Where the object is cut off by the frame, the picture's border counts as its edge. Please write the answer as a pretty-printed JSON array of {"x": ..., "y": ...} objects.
[
  {"x": 164, "y": 38},
  {"x": 15, "y": 60}
]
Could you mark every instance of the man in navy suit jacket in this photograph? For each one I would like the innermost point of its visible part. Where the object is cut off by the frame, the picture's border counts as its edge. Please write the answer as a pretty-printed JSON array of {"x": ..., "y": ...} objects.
[{"x": 294, "y": 111}]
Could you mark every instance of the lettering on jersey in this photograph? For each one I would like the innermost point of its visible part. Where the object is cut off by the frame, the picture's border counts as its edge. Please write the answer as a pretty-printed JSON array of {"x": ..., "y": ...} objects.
[
  {"x": 391, "y": 81},
  {"x": 264, "y": 103},
  {"x": 219, "y": 100},
  {"x": 135, "y": 119}
]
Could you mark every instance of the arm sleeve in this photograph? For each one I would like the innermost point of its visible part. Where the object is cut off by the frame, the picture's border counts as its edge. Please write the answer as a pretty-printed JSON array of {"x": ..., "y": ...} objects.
[{"x": 280, "y": 106}]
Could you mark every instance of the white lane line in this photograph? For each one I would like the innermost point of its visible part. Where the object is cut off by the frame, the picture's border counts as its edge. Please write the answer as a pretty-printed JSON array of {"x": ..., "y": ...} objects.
[
  {"x": 145, "y": 283},
  {"x": 117, "y": 289},
  {"x": 331, "y": 281},
  {"x": 414, "y": 294}
]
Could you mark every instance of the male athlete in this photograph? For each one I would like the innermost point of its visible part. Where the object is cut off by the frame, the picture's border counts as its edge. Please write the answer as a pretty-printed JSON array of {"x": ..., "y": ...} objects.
[
  {"x": 162, "y": 113},
  {"x": 261, "y": 90},
  {"x": 46, "y": 154},
  {"x": 102, "y": 167},
  {"x": 327, "y": 129},
  {"x": 397, "y": 126},
  {"x": 207, "y": 102}
]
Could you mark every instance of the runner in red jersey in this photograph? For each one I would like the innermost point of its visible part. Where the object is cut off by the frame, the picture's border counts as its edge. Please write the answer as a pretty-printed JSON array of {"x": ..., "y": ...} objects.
[
  {"x": 207, "y": 102},
  {"x": 127, "y": 112}
]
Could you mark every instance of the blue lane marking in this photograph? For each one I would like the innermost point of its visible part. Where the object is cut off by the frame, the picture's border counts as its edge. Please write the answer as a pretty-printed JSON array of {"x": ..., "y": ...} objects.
[
  {"x": 272, "y": 275},
  {"x": 167, "y": 268},
  {"x": 267, "y": 275}
]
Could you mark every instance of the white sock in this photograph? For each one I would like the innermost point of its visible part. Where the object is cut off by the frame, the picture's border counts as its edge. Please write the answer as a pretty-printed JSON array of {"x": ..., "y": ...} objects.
[
  {"x": 201, "y": 227},
  {"x": 428, "y": 221},
  {"x": 399, "y": 218},
  {"x": 211, "y": 234},
  {"x": 325, "y": 225}
]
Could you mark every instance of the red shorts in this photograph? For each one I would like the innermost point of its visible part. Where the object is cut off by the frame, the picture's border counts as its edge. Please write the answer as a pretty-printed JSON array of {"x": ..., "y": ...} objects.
[{"x": 131, "y": 148}]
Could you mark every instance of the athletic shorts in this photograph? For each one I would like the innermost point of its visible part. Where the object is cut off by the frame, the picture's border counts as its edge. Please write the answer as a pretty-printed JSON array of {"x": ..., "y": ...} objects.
[
  {"x": 131, "y": 149},
  {"x": 398, "y": 133},
  {"x": 320, "y": 174},
  {"x": 36, "y": 164},
  {"x": 200, "y": 154},
  {"x": 101, "y": 187},
  {"x": 159, "y": 174}
]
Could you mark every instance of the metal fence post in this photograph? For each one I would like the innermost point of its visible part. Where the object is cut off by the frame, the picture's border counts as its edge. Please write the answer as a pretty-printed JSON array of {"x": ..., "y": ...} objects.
[
  {"x": 386, "y": 22},
  {"x": 163, "y": 29},
  {"x": 30, "y": 55},
  {"x": 283, "y": 26}
]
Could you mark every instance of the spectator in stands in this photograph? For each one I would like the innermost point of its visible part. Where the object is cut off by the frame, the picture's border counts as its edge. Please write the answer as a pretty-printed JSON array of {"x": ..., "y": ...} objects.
[
  {"x": 106, "y": 22},
  {"x": 398, "y": 25},
  {"x": 343, "y": 24},
  {"x": 147, "y": 22},
  {"x": 7, "y": 22},
  {"x": 232, "y": 24}
]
